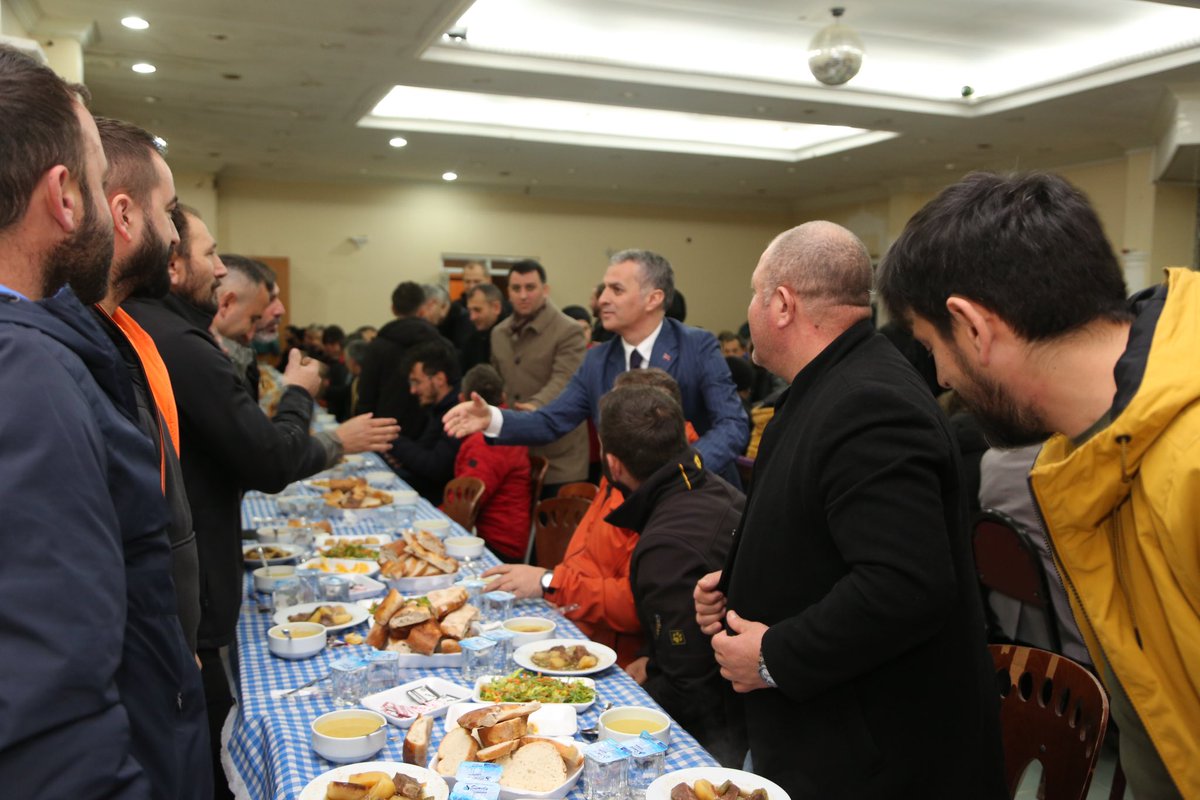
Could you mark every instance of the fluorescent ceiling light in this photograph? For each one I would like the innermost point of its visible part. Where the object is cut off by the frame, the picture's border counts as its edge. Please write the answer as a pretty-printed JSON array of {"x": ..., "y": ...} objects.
[
  {"x": 144, "y": 68},
  {"x": 567, "y": 122},
  {"x": 995, "y": 48},
  {"x": 135, "y": 23}
]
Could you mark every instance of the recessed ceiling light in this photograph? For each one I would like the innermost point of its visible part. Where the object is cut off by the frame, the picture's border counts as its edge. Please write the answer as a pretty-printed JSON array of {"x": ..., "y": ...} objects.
[
  {"x": 150, "y": 98},
  {"x": 161, "y": 142},
  {"x": 449, "y": 176},
  {"x": 397, "y": 141},
  {"x": 143, "y": 68},
  {"x": 135, "y": 23}
]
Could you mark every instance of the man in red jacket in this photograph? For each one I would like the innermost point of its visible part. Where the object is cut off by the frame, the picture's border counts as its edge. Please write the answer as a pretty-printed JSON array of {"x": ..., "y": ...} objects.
[{"x": 503, "y": 519}]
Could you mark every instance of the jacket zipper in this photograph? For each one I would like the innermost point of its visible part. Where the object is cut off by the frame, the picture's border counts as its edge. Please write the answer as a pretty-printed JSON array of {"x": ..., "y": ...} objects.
[{"x": 1066, "y": 581}]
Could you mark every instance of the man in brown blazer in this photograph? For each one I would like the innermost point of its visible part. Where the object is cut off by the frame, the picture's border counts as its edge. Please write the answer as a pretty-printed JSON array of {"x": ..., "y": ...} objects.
[{"x": 536, "y": 351}]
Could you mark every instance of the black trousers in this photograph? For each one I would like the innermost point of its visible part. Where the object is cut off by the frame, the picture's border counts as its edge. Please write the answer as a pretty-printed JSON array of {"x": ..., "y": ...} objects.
[{"x": 219, "y": 700}]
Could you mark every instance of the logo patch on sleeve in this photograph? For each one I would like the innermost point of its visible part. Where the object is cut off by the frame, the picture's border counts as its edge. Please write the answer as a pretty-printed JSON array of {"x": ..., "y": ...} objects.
[{"x": 677, "y": 637}]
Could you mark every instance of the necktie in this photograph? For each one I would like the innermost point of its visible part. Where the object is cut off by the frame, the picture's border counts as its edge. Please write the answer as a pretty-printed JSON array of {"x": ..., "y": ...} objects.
[{"x": 635, "y": 360}]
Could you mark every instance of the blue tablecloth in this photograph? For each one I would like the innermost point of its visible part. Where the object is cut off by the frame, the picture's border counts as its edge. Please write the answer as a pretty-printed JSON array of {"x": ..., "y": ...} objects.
[{"x": 268, "y": 743}]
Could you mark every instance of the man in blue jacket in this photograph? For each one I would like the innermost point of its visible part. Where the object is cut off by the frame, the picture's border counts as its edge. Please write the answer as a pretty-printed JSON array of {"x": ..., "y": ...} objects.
[
  {"x": 93, "y": 660},
  {"x": 638, "y": 286}
]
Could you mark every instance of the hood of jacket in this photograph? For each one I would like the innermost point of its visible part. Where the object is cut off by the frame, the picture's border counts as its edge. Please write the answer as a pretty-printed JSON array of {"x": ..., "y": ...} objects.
[
  {"x": 64, "y": 319},
  {"x": 1156, "y": 379}
]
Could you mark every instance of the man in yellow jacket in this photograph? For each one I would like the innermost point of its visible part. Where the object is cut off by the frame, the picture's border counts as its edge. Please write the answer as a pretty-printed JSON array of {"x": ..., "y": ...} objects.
[{"x": 1011, "y": 284}]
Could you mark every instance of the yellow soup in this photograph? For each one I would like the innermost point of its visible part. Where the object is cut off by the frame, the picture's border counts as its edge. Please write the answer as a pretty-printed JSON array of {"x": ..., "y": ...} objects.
[
  {"x": 527, "y": 627},
  {"x": 347, "y": 727},
  {"x": 632, "y": 725},
  {"x": 297, "y": 633}
]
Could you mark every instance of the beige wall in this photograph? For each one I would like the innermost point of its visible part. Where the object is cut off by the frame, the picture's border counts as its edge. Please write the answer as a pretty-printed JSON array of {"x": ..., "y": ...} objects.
[
  {"x": 9, "y": 24},
  {"x": 410, "y": 226}
]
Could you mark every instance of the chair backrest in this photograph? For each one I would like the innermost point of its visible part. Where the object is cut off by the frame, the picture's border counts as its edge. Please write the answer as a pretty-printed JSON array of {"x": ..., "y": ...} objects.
[
  {"x": 538, "y": 465},
  {"x": 1054, "y": 711},
  {"x": 1007, "y": 562},
  {"x": 460, "y": 501},
  {"x": 581, "y": 489},
  {"x": 554, "y": 523}
]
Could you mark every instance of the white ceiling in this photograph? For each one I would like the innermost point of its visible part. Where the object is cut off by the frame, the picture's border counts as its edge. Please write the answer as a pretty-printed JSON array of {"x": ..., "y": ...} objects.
[{"x": 275, "y": 90}]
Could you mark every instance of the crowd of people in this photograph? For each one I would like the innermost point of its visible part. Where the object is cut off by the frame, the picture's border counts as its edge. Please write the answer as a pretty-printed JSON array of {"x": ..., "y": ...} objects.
[{"x": 822, "y": 626}]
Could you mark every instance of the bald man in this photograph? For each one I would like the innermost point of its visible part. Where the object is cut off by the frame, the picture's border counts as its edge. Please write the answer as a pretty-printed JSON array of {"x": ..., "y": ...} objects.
[{"x": 850, "y": 585}]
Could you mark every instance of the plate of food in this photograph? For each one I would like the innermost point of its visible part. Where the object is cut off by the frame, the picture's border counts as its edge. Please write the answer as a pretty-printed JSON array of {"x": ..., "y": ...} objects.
[
  {"x": 706, "y": 783},
  {"x": 565, "y": 657},
  {"x": 342, "y": 566},
  {"x": 372, "y": 541},
  {"x": 372, "y": 779},
  {"x": 528, "y": 687},
  {"x": 532, "y": 767},
  {"x": 253, "y": 555},
  {"x": 350, "y": 493},
  {"x": 334, "y": 616},
  {"x": 426, "y": 629},
  {"x": 428, "y": 697},
  {"x": 552, "y": 720},
  {"x": 417, "y": 562}
]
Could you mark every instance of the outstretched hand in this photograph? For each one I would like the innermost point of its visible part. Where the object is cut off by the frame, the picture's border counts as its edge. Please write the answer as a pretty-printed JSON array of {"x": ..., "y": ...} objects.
[
  {"x": 471, "y": 416},
  {"x": 366, "y": 432}
]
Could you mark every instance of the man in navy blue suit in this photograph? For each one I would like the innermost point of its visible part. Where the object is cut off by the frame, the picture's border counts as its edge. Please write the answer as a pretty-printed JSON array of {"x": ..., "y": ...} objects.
[{"x": 638, "y": 287}]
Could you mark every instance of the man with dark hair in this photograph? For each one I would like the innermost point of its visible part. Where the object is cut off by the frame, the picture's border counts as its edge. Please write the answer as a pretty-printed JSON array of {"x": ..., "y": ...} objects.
[
  {"x": 383, "y": 385},
  {"x": 93, "y": 677},
  {"x": 1012, "y": 285},
  {"x": 592, "y": 581},
  {"x": 850, "y": 597},
  {"x": 731, "y": 344},
  {"x": 583, "y": 319},
  {"x": 536, "y": 351},
  {"x": 503, "y": 520},
  {"x": 427, "y": 464},
  {"x": 232, "y": 446},
  {"x": 638, "y": 287},
  {"x": 685, "y": 516},
  {"x": 141, "y": 195},
  {"x": 484, "y": 307}
]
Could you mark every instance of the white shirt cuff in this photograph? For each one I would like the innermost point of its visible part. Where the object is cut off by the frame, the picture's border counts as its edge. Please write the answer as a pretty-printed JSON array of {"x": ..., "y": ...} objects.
[{"x": 493, "y": 428}]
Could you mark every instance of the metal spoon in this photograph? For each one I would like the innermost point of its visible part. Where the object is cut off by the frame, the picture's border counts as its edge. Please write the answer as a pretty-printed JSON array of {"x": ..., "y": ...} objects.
[{"x": 594, "y": 731}]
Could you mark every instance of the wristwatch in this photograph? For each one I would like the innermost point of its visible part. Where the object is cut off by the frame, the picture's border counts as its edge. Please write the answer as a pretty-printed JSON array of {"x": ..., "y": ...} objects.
[
  {"x": 762, "y": 671},
  {"x": 547, "y": 576}
]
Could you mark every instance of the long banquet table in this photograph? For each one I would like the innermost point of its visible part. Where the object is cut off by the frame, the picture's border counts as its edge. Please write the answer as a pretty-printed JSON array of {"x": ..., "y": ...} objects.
[{"x": 266, "y": 742}]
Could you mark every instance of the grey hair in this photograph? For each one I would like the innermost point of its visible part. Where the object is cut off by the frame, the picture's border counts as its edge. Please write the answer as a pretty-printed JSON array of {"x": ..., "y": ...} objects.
[
  {"x": 489, "y": 291},
  {"x": 433, "y": 290},
  {"x": 656, "y": 271},
  {"x": 251, "y": 269},
  {"x": 822, "y": 262}
]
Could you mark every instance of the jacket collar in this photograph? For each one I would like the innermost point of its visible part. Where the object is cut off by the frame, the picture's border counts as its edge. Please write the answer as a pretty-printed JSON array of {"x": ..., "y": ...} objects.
[
  {"x": 64, "y": 318},
  {"x": 825, "y": 361},
  {"x": 665, "y": 355},
  {"x": 682, "y": 474}
]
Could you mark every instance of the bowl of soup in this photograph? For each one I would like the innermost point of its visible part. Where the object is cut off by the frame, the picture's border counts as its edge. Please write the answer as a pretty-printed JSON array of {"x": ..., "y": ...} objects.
[
  {"x": 529, "y": 629},
  {"x": 623, "y": 723},
  {"x": 296, "y": 640},
  {"x": 349, "y": 735},
  {"x": 265, "y": 578}
]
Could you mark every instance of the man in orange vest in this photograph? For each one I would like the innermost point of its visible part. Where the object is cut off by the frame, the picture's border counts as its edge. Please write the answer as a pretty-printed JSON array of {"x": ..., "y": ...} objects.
[{"x": 141, "y": 195}]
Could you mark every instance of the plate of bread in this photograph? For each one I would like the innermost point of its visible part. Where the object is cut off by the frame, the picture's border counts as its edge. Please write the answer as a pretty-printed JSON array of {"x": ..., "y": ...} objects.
[
  {"x": 425, "y": 630},
  {"x": 378, "y": 780},
  {"x": 710, "y": 783},
  {"x": 533, "y": 766},
  {"x": 417, "y": 562}
]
